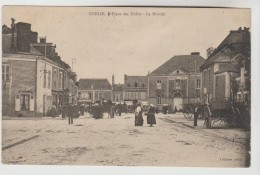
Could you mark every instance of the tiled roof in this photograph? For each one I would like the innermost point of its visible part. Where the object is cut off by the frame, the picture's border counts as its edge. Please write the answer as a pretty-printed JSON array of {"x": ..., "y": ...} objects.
[
  {"x": 180, "y": 62},
  {"x": 130, "y": 81},
  {"x": 237, "y": 41},
  {"x": 98, "y": 84},
  {"x": 118, "y": 87},
  {"x": 229, "y": 68}
]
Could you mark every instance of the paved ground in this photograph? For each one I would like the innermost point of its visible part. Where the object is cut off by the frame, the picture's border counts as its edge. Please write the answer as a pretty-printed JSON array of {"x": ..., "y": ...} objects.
[{"x": 118, "y": 142}]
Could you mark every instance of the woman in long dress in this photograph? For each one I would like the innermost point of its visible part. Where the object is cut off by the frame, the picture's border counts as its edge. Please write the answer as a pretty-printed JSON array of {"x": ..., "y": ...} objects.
[
  {"x": 151, "y": 115},
  {"x": 138, "y": 115}
]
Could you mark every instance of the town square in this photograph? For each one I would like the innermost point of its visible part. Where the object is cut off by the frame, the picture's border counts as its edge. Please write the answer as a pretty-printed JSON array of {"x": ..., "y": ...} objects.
[{"x": 114, "y": 86}]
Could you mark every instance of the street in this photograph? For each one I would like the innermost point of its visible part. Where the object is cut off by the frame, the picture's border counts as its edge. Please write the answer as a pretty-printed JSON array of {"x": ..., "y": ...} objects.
[{"x": 117, "y": 142}]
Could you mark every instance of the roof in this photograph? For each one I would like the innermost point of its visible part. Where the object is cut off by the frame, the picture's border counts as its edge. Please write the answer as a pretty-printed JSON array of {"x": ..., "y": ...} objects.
[
  {"x": 180, "y": 62},
  {"x": 229, "y": 68},
  {"x": 140, "y": 80},
  {"x": 98, "y": 84},
  {"x": 118, "y": 87},
  {"x": 237, "y": 41}
]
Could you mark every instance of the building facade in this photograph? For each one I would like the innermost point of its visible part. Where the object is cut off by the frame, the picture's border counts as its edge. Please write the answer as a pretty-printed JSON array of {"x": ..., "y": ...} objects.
[
  {"x": 117, "y": 91},
  {"x": 135, "y": 88},
  {"x": 176, "y": 82},
  {"x": 94, "y": 90},
  {"x": 30, "y": 77},
  {"x": 221, "y": 72}
]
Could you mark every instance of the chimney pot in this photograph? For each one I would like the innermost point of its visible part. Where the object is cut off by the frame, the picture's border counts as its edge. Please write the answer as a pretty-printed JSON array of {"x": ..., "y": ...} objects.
[{"x": 195, "y": 53}]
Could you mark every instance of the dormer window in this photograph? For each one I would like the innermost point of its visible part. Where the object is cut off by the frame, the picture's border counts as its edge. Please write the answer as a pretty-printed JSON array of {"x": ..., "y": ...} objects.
[
  {"x": 136, "y": 84},
  {"x": 143, "y": 85}
]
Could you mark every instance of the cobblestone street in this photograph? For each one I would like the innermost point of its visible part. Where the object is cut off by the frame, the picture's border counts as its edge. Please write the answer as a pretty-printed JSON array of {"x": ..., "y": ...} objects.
[{"x": 118, "y": 142}]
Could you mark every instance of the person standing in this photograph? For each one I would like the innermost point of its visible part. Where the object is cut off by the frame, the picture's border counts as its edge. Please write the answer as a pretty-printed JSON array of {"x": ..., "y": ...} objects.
[
  {"x": 70, "y": 113},
  {"x": 151, "y": 115},
  {"x": 138, "y": 115},
  {"x": 119, "y": 109}
]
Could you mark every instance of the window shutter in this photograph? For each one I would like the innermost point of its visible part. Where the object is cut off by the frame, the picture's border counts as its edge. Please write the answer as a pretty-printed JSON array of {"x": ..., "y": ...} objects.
[
  {"x": 17, "y": 102},
  {"x": 32, "y": 103}
]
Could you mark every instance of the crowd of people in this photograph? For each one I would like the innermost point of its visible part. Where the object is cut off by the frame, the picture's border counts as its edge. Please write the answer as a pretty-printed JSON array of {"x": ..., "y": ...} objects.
[{"x": 97, "y": 111}]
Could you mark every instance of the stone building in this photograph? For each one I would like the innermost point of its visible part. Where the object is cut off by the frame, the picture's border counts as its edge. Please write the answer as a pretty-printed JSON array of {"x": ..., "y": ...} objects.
[
  {"x": 224, "y": 66},
  {"x": 135, "y": 88},
  {"x": 176, "y": 82},
  {"x": 93, "y": 90},
  {"x": 117, "y": 91},
  {"x": 28, "y": 76}
]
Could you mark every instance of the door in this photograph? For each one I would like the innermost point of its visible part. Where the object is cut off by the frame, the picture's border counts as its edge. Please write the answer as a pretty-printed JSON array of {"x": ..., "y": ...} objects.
[{"x": 177, "y": 101}]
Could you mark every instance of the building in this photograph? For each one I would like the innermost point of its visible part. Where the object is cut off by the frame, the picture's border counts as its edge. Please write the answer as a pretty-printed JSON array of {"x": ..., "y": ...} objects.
[
  {"x": 135, "y": 88},
  {"x": 30, "y": 75},
  {"x": 176, "y": 82},
  {"x": 227, "y": 68},
  {"x": 117, "y": 91},
  {"x": 93, "y": 90}
]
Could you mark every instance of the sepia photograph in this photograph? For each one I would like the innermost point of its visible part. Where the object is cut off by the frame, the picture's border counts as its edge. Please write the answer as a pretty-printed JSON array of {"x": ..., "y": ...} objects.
[{"x": 126, "y": 86}]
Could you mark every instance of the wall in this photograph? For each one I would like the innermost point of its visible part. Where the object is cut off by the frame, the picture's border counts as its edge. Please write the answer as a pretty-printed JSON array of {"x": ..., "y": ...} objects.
[
  {"x": 220, "y": 87},
  {"x": 23, "y": 79},
  {"x": 152, "y": 84},
  {"x": 106, "y": 94},
  {"x": 41, "y": 91}
]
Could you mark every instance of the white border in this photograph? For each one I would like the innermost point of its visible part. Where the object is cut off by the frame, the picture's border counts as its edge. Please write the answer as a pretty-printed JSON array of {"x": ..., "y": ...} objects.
[{"x": 78, "y": 170}]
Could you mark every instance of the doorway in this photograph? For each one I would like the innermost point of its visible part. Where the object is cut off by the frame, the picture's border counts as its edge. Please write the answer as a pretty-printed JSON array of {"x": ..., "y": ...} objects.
[{"x": 177, "y": 101}]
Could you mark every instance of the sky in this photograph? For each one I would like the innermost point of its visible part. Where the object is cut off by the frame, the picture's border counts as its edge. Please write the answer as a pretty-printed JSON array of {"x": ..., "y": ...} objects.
[{"x": 127, "y": 44}]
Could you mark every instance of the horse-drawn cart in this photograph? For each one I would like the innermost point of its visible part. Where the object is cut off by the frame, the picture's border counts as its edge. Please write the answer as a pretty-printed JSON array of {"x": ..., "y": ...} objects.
[{"x": 226, "y": 111}]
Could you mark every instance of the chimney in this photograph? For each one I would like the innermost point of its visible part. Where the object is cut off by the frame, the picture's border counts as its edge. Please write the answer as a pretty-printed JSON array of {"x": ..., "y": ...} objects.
[
  {"x": 43, "y": 40},
  {"x": 195, "y": 53},
  {"x": 13, "y": 49},
  {"x": 210, "y": 51},
  {"x": 23, "y": 36},
  {"x": 113, "y": 79}
]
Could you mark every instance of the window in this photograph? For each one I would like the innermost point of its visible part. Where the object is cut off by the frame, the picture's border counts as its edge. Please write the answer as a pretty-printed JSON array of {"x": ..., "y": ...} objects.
[
  {"x": 143, "y": 95},
  {"x": 136, "y": 84},
  {"x": 128, "y": 85},
  {"x": 178, "y": 84},
  {"x": 198, "y": 83},
  {"x": 117, "y": 97},
  {"x": 143, "y": 85},
  {"x": 100, "y": 95},
  {"x": 24, "y": 102},
  {"x": 60, "y": 80},
  {"x": 205, "y": 74},
  {"x": 217, "y": 81},
  {"x": 159, "y": 100},
  {"x": 44, "y": 78},
  {"x": 178, "y": 71},
  {"x": 55, "y": 79},
  {"x": 5, "y": 72},
  {"x": 49, "y": 79},
  {"x": 159, "y": 84},
  {"x": 209, "y": 76}
]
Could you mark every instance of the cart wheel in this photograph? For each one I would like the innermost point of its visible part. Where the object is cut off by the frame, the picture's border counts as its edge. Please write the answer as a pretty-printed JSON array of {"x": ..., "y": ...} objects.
[
  {"x": 188, "y": 113},
  {"x": 207, "y": 116}
]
